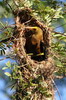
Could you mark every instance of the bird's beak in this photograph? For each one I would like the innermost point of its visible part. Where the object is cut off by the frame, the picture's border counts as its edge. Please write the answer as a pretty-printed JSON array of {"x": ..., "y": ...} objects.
[{"x": 30, "y": 28}]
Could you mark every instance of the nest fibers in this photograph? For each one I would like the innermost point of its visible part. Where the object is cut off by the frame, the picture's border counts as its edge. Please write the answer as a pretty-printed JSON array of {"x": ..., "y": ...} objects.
[
  {"x": 31, "y": 68},
  {"x": 24, "y": 19}
]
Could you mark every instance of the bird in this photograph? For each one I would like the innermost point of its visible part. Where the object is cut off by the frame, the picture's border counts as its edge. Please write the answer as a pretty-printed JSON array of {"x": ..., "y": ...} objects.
[{"x": 35, "y": 44}]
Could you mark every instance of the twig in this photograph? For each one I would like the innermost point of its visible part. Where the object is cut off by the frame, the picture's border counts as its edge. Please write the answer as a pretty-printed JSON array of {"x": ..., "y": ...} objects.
[
  {"x": 60, "y": 25},
  {"x": 27, "y": 21},
  {"x": 4, "y": 58},
  {"x": 7, "y": 39},
  {"x": 56, "y": 89},
  {"x": 9, "y": 26},
  {"x": 59, "y": 33},
  {"x": 8, "y": 5},
  {"x": 16, "y": 3},
  {"x": 12, "y": 85},
  {"x": 13, "y": 25}
]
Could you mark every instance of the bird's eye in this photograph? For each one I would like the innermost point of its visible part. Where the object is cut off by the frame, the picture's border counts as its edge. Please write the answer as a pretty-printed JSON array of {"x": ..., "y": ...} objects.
[{"x": 34, "y": 29}]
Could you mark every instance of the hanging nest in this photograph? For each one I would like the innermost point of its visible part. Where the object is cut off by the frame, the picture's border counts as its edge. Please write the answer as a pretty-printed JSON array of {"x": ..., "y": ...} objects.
[{"x": 32, "y": 68}]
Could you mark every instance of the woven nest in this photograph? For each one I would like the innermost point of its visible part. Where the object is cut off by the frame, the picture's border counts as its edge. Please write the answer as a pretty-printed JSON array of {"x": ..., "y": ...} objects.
[
  {"x": 23, "y": 18},
  {"x": 31, "y": 68}
]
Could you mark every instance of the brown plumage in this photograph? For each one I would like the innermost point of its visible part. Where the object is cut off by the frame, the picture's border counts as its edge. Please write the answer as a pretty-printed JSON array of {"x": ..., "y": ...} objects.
[{"x": 33, "y": 43}]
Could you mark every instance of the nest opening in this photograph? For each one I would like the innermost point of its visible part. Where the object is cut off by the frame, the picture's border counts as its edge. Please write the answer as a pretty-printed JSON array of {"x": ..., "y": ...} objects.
[
  {"x": 30, "y": 49},
  {"x": 24, "y": 19}
]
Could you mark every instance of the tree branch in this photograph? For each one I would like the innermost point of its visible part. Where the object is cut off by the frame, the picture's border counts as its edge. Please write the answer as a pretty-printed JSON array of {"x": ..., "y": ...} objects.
[
  {"x": 13, "y": 25},
  {"x": 60, "y": 25},
  {"x": 63, "y": 34},
  {"x": 9, "y": 26},
  {"x": 7, "y": 39},
  {"x": 56, "y": 89}
]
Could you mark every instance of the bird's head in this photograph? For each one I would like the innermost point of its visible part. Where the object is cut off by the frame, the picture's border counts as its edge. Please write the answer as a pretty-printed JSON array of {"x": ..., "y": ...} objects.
[{"x": 35, "y": 29}]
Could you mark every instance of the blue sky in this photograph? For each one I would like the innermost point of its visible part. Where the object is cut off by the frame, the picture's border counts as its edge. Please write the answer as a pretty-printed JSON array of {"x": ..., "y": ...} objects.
[{"x": 3, "y": 85}]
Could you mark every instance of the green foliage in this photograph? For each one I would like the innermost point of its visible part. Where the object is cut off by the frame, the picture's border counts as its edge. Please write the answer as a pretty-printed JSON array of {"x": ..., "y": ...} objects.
[
  {"x": 4, "y": 9},
  {"x": 47, "y": 11},
  {"x": 2, "y": 49},
  {"x": 6, "y": 31},
  {"x": 42, "y": 11},
  {"x": 7, "y": 73},
  {"x": 28, "y": 88},
  {"x": 59, "y": 52},
  {"x": 8, "y": 66}
]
